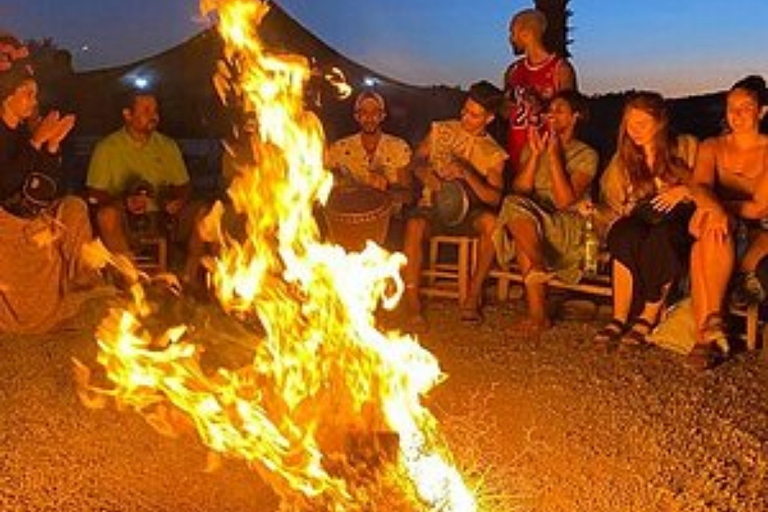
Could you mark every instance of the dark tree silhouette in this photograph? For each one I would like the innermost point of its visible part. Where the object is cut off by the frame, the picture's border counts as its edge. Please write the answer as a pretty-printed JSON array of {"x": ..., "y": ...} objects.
[
  {"x": 557, "y": 37},
  {"x": 53, "y": 70}
]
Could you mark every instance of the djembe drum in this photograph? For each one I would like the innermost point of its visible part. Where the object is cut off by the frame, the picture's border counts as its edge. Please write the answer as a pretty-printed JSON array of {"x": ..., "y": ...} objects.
[
  {"x": 356, "y": 214},
  {"x": 452, "y": 203}
]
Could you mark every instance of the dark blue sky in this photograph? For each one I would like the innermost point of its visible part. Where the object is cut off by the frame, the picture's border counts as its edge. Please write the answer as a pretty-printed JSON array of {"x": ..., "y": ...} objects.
[{"x": 674, "y": 46}]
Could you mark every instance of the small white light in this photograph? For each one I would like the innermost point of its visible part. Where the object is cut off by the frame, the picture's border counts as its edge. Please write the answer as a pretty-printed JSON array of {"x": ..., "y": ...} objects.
[
  {"x": 370, "y": 81},
  {"x": 141, "y": 82}
]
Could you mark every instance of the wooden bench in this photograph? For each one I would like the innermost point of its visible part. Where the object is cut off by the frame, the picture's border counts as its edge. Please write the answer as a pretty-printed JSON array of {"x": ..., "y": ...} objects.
[
  {"x": 452, "y": 259},
  {"x": 597, "y": 286}
]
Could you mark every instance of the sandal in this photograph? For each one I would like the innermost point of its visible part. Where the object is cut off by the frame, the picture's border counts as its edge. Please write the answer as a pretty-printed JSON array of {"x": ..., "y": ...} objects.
[
  {"x": 637, "y": 335},
  {"x": 610, "y": 334},
  {"x": 712, "y": 347},
  {"x": 705, "y": 356}
]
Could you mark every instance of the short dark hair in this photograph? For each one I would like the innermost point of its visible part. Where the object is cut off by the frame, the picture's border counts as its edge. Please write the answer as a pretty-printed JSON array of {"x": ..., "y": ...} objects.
[
  {"x": 755, "y": 85},
  {"x": 486, "y": 95},
  {"x": 127, "y": 98},
  {"x": 577, "y": 101},
  {"x": 370, "y": 95}
]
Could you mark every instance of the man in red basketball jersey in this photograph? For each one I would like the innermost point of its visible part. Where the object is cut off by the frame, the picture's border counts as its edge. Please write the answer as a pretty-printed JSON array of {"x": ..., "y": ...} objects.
[{"x": 532, "y": 80}]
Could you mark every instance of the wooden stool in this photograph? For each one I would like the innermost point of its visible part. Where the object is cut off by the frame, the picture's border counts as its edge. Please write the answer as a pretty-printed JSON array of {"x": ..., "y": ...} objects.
[
  {"x": 151, "y": 253},
  {"x": 449, "y": 277}
]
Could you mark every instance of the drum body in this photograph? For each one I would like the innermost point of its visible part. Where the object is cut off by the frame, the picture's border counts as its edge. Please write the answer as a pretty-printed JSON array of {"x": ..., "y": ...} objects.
[
  {"x": 357, "y": 214},
  {"x": 451, "y": 203}
]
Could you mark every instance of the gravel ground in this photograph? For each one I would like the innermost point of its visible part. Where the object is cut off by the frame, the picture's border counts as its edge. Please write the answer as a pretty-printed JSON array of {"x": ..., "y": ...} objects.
[{"x": 550, "y": 424}]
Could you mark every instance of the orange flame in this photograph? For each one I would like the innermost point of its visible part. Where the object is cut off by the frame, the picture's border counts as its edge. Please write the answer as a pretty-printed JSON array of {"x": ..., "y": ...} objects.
[{"x": 325, "y": 386}]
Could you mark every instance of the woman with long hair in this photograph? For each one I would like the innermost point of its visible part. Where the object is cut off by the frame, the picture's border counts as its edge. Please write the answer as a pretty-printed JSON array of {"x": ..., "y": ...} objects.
[
  {"x": 646, "y": 187},
  {"x": 732, "y": 180}
]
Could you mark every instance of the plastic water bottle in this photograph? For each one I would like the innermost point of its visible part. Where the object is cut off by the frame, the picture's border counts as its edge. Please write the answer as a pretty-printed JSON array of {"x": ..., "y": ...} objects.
[{"x": 591, "y": 247}]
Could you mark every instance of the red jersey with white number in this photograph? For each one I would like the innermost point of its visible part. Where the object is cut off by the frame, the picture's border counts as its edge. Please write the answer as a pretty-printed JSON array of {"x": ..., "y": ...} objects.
[{"x": 530, "y": 88}]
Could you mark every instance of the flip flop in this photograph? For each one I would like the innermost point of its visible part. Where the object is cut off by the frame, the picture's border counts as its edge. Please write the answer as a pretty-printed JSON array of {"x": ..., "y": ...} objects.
[
  {"x": 471, "y": 315},
  {"x": 705, "y": 356}
]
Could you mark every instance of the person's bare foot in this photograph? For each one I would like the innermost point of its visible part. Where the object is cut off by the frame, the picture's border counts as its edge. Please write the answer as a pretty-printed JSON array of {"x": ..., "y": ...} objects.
[
  {"x": 470, "y": 311},
  {"x": 531, "y": 326}
]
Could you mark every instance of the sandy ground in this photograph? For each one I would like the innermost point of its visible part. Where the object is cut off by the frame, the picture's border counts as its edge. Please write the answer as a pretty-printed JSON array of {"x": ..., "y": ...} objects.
[{"x": 550, "y": 423}]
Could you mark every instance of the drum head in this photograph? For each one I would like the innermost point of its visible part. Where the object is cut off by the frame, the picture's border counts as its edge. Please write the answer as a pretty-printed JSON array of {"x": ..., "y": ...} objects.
[
  {"x": 357, "y": 200},
  {"x": 355, "y": 215},
  {"x": 451, "y": 203}
]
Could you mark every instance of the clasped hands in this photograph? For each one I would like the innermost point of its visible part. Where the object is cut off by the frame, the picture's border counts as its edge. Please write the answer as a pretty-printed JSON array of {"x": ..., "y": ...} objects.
[
  {"x": 51, "y": 130},
  {"x": 539, "y": 142}
]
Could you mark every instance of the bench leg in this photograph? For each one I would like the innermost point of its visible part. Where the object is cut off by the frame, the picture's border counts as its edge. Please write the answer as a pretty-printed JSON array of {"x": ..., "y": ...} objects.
[
  {"x": 464, "y": 271},
  {"x": 752, "y": 320}
]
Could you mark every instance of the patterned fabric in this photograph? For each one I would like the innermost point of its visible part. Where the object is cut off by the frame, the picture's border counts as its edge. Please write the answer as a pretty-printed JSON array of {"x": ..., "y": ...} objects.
[
  {"x": 561, "y": 232},
  {"x": 530, "y": 88},
  {"x": 449, "y": 140},
  {"x": 40, "y": 267},
  {"x": 391, "y": 155}
]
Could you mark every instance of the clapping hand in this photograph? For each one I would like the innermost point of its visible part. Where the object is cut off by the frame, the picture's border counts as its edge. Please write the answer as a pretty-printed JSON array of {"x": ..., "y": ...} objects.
[
  {"x": 537, "y": 141},
  {"x": 52, "y": 129}
]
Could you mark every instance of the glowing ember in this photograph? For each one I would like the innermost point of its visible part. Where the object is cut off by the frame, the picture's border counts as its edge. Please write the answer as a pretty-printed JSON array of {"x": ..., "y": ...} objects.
[{"x": 329, "y": 411}]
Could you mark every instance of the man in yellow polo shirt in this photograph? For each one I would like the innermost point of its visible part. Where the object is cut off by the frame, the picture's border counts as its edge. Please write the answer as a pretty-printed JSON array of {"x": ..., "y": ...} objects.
[{"x": 139, "y": 172}]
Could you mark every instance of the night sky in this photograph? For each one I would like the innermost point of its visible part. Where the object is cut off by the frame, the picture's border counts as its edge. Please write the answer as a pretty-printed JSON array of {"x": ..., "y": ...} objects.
[{"x": 677, "y": 47}]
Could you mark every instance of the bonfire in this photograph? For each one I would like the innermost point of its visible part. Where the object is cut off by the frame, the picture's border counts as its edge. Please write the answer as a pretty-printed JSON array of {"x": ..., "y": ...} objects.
[{"x": 327, "y": 408}]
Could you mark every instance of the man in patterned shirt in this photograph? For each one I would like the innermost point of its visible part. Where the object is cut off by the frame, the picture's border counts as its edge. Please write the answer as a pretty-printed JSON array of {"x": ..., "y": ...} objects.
[
  {"x": 371, "y": 157},
  {"x": 457, "y": 160},
  {"x": 374, "y": 158}
]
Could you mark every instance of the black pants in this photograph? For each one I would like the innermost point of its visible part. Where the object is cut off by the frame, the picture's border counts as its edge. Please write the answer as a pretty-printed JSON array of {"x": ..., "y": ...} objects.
[{"x": 656, "y": 255}]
